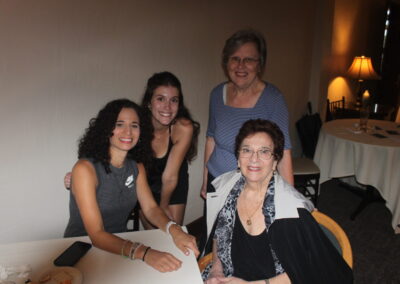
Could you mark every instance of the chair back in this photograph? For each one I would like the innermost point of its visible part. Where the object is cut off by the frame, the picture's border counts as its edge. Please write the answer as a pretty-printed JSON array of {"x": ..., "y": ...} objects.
[
  {"x": 336, "y": 235},
  {"x": 204, "y": 261},
  {"x": 333, "y": 107},
  {"x": 308, "y": 127}
]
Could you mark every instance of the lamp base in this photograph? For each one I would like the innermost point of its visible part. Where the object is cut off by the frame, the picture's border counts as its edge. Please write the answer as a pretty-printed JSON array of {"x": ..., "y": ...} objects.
[{"x": 358, "y": 103}]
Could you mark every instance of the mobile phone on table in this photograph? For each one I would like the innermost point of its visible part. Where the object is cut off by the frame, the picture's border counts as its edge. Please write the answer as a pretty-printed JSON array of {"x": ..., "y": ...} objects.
[{"x": 72, "y": 254}]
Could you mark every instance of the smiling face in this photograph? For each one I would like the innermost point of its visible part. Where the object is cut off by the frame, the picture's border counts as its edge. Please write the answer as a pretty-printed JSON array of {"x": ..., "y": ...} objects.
[
  {"x": 126, "y": 132},
  {"x": 164, "y": 105},
  {"x": 243, "y": 74},
  {"x": 258, "y": 166}
]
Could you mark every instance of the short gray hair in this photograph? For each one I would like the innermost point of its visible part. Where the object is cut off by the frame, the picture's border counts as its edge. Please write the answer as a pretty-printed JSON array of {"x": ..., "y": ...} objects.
[{"x": 240, "y": 38}]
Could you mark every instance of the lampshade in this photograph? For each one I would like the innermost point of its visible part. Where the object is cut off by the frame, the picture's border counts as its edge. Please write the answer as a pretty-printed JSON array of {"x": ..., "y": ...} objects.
[{"x": 361, "y": 69}]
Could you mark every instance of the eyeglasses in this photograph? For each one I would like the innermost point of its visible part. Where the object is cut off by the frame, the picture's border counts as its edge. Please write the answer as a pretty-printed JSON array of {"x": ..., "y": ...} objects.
[
  {"x": 263, "y": 154},
  {"x": 247, "y": 61}
]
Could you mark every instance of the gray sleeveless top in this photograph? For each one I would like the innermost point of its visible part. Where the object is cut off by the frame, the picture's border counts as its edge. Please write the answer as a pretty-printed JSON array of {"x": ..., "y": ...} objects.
[{"x": 116, "y": 197}]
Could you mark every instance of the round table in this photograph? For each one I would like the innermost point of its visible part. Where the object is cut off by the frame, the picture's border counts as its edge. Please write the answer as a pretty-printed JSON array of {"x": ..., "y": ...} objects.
[{"x": 344, "y": 151}]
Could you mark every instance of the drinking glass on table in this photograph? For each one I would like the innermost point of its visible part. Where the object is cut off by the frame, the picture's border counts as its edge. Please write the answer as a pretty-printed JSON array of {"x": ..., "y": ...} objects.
[{"x": 364, "y": 114}]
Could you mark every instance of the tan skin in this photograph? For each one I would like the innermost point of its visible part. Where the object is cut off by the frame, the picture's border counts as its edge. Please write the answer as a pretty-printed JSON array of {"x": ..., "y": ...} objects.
[
  {"x": 84, "y": 183},
  {"x": 243, "y": 91},
  {"x": 164, "y": 107},
  {"x": 258, "y": 173}
]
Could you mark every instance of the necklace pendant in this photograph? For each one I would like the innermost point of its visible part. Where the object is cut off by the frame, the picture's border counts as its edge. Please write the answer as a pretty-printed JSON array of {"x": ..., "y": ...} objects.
[{"x": 248, "y": 222}]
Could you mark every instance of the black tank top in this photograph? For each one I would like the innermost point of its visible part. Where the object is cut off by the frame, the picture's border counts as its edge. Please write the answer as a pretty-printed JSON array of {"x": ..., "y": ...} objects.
[
  {"x": 154, "y": 174},
  {"x": 251, "y": 255}
]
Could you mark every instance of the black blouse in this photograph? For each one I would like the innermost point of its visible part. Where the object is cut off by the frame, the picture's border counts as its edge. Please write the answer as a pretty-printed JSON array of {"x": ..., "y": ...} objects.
[{"x": 251, "y": 255}]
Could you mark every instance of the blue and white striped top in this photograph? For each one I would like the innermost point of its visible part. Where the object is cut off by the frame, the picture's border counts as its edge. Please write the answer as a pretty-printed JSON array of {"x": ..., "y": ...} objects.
[{"x": 224, "y": 123}]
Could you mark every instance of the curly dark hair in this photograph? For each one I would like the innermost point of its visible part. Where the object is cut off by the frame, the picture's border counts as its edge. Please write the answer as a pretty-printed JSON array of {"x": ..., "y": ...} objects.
[
  {"x": 168, "y": 79},
  {"x": 95, "y": 142},
  {"x": 270, "y": 128},
  {"x": 239, "y": 38}
]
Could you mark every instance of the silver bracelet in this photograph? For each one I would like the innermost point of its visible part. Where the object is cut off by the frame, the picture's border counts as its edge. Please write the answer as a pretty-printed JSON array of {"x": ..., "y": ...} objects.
[
  {"x": 133, "y": 249},
  {"x": 169, "y": 224}
]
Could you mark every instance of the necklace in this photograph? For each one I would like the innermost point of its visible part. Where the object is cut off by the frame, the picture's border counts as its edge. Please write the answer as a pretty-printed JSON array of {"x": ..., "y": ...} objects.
[{"x": 248, "y": 220}]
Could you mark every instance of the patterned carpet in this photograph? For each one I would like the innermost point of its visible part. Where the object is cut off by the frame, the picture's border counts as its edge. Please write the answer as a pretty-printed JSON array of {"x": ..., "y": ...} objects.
[{"x": 376, "y": 249}]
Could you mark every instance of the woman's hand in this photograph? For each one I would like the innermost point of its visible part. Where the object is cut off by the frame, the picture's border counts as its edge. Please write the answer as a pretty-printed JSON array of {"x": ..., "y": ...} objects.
[
  {"x": 162, "y": 261},
  {"x": 214, "y": 278},
  {"x": 203, "y": 192},
  {"x": 183, "y": 241},
  {"x": 67, "y": 180},
  {"x": 231, "y": 280}
]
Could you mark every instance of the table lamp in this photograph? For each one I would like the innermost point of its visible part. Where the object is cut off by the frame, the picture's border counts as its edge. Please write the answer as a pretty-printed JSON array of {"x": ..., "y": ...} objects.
[{"x": 361, "y": 69}]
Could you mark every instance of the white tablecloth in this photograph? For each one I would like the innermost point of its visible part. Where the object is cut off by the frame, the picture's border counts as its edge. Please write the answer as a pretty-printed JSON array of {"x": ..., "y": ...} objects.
[
  {"x": 343, "y": 151},
  {"x": 101, "y": 267}
]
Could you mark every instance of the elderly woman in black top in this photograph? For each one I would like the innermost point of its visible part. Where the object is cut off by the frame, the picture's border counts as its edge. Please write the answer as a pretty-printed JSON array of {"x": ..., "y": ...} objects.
[{"x": 264, "y": 230}]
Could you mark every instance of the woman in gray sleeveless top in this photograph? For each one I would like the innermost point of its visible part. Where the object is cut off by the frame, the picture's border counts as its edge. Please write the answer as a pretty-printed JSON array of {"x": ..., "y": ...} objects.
[{"x": 107, "y": 181}]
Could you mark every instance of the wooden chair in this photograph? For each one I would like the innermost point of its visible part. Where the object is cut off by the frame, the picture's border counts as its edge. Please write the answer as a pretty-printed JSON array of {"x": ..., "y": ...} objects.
[
  {"x": 336, "y": 235},
  {"x": 333, "y": 231},
  {"x": 334, "y": 107},
  {"x": 204, "y": 261}
]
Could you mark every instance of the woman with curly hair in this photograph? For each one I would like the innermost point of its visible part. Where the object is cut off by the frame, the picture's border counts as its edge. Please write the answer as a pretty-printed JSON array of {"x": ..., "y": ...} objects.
[
  {"x": 108, "y": 180},
  {"x": 174, "y": 144}
]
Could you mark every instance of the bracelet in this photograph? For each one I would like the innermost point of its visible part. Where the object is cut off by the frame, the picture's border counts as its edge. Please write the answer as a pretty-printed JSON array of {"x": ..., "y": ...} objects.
[
  {"x": 132, "y": 249},
  {"x": 132, "y": 254},
  {"x": 145, "y": 252},
  {"x": 169, "y": 224},
  {"x": 123, "y": 247},
  {"x": 266, "y": 281}
]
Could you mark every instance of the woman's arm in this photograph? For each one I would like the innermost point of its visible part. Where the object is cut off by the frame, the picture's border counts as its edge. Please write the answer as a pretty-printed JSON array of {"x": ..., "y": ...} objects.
[
  {"x": 209, "y": 148},
  {"x": 216, "y": 271},
  {"x": 84, "y": 185},
  {"x": 157, "y": 217},
  {"x": 182, "y": 132},
  {"x": 285, "y": 167}
]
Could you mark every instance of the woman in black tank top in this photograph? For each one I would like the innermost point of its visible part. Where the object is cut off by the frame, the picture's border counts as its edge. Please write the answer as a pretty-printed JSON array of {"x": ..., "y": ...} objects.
[{"x": 174, "y": 144}]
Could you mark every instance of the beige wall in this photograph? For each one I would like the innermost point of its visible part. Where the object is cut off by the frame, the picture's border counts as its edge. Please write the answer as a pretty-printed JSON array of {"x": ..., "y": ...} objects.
[
  {"x": 62, "y": 60},
  {"x": 357, "y": 30}
]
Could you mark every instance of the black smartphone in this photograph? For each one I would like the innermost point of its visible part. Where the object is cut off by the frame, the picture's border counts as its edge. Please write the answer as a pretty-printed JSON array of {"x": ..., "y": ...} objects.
[
  {"x": 72, "y": 254},
  {"x": 392, "y": 132},
  {"x": 379, "y": 135}
]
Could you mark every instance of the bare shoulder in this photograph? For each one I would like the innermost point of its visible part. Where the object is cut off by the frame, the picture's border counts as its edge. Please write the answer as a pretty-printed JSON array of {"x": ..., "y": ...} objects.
[
  {"x": 140, "y": 167},
  {"x": 83, "y": 166},
  {"x": 182, "y": 126},
  {"x": 84, "y": 172},
  {"x": 141, "y": 170}
]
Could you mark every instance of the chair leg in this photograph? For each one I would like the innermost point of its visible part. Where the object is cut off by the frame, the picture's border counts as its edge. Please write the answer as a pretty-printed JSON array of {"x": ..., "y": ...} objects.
[
  {"x": 316, "y": 188},
  {"x": 302, "y": 184},
  {"x": 136, "y": 218}
]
